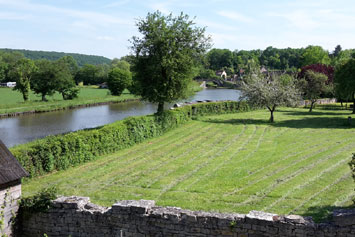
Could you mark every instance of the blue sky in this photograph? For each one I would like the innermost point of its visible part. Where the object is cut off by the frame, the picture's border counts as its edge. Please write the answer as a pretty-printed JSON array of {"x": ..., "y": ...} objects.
[{"x": 105, "y": 27}]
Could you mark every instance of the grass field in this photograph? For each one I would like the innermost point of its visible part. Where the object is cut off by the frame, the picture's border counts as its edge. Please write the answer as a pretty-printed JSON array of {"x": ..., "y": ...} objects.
[
  {"x": 12, "y": 101},
  {"x": 228, "y": 163}
]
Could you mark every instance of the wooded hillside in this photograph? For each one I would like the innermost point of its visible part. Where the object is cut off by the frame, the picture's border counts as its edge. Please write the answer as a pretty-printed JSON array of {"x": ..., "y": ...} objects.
[{"x": 81, "y": 59}]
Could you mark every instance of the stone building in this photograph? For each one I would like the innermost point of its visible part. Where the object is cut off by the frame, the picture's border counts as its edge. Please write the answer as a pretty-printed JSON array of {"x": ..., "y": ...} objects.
[{"x": 11, "y": 173}]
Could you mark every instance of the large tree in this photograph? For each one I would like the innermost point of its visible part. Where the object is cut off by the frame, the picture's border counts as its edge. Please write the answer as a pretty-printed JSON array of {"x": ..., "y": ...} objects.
[
  {"x": 345, "y": 81},
  {"x": 165, "y": 56},
  {"x": 44, "y": 80},
  {"x": 313, "y": 84},
  {"x": 269, "y": 92},
  {"x": 314, "y": 55},
  {"x": 118, "y": 80},
  {"x": 22, "y": 73}
]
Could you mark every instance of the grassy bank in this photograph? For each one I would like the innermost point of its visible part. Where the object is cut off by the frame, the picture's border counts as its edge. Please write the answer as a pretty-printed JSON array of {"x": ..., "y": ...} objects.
[
  {"x": 12, "y": 101},
  {"x": 229, "y": 163}
]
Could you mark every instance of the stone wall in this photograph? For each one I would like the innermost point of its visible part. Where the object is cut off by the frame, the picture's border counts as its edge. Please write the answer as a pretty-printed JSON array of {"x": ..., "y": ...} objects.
[
  {"x": 76, "y": 216},
  {"x": 319, "y": 101},
  {"x": 8, "y": 207}
]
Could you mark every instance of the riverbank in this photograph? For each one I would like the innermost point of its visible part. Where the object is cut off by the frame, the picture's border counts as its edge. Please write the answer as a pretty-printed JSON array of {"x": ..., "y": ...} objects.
[{"x": 13, "y": 105}]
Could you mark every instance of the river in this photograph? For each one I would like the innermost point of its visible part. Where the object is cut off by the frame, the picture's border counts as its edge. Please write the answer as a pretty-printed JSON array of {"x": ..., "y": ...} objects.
[{"x": 26, "y": 128}]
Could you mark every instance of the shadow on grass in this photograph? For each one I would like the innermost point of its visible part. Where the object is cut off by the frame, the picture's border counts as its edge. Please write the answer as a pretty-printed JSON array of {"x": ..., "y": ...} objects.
[
  {"x": 315, "y": 113},
  {"x": 323, "y": 213},
  {"x": 315, "y": 122}
]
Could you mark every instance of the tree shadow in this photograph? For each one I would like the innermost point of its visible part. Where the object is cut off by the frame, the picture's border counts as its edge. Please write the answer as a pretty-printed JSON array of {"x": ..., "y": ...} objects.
[
  {"x": 309, "y": 122},
  {"x": 317, "y": 113},
  {"x": 323, "y": 213}
]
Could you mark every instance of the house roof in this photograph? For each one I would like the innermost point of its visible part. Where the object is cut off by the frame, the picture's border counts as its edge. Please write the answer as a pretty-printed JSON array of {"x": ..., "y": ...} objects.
[{"x": 10, "y": 168}]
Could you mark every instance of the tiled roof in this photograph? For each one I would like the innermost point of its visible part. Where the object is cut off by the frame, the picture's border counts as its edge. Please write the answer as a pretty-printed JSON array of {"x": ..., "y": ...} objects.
[{"x": 10, "y": 168}]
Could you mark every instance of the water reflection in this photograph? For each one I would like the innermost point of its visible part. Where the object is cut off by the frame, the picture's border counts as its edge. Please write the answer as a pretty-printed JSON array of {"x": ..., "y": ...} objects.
[{"x": 22, "y": 129}]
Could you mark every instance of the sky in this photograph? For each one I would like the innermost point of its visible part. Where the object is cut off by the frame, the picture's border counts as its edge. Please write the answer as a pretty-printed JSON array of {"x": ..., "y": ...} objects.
[{"x": 105, "y": 27}]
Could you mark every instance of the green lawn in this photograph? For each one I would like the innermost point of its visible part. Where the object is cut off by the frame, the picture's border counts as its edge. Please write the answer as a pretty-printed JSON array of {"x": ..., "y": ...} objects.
[
  {"x": 12, "y": 101},
  {"x": 228, "y": 163}
]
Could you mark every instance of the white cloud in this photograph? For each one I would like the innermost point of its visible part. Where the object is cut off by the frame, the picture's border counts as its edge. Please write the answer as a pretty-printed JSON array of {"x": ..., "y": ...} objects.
[
  {"x": 90, "y": 16},
  {"x": 235, "y": 16}
]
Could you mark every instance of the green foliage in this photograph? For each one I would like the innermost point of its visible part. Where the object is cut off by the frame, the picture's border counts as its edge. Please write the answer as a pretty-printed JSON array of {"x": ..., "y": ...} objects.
[
  {"x": 165, "y": 56},
  {"x": 207, "y": 74},
  {"x": 92, "y": 74},
  {"x": 312, "y": 86},
  {"x": 220, "y": 58},
  {"x": 81, "y": 59},
  {"x": 70, "y": 93},
  {"x": 268, "y": 92},
  {"x": 40, "y": 202},
  {"x": 118, "y": 80},
  {"x": 22, "y": 73},
  {"x": 45, "y": 79},
  {"x": 121, "y": 64},
  {"x": 314, "y": 55},
  {"x": 345, "y": 81},
  {"x": 62, "y": 151}
]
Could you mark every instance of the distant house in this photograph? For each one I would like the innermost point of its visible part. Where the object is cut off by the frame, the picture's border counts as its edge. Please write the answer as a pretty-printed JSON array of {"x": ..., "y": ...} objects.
[
  {"x": 221, "y": 73},
  {"x": 263, "y": 70},
  {"x": 8, "y": 84},
  {"x": 11, "y": 173},
  {"x": 103, "y": 85}
]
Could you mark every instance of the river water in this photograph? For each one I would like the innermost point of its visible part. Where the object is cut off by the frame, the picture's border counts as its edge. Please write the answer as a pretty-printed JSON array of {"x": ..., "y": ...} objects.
[{"x": 26, "y": 128}]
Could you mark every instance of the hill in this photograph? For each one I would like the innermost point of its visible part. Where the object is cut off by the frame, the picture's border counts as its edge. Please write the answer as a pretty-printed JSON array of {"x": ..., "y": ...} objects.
[{"x": 81, "y": 59}]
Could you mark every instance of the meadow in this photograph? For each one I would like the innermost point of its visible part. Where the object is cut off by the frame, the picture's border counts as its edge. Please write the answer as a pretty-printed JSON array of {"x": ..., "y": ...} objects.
[
  {"x": 228, "y": 163},
  {"x": 12, "y": 101}
]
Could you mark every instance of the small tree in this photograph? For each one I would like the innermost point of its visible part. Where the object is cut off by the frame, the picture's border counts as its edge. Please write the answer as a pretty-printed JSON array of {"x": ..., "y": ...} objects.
[
  {"x": 312, "y": 86},
  {"x": 118, "y": 80},
  {"x": 269, "y": 92},
  {"x": 22, "y": 72},
  {"x": 165, "y": 56},
  {"x": 345, "y": 81}
]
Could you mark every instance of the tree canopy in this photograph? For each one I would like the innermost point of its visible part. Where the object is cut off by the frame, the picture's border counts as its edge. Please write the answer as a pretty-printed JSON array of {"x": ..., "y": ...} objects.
[
  {"x": 165, "y": 56},
  {"x": 269, "y": 92},
  {"x": 118, "y": 80},
  {"x": 345, "y": 81},
  {"x": 313, "y": 84},
  {"x": 22, "y": 73},
  {"x": 314, "y": 55}
]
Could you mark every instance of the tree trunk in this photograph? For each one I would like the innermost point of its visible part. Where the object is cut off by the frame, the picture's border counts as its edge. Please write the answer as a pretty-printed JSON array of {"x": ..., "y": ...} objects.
[
  {"x": 271, "y": 116},
  {"x": 271, "y": 113},
  {"x": 25, "y": 95},
  {"x": 341, "y": 103},
  {"x": 160, "y": 107},
  {"x": 312, "y": 103},
  {"x": 44, "y": 97}
]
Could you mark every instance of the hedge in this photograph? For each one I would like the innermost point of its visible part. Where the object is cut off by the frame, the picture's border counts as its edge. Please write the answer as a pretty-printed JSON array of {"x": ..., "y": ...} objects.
[{"x": 60, "y": 152}]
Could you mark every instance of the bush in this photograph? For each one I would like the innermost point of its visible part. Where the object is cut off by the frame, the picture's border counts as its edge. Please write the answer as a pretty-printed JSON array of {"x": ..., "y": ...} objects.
[
  {"x": 62, "y": 151},
  {"x": 118, "y": 80},
  {"x": 40, "y": 202}
]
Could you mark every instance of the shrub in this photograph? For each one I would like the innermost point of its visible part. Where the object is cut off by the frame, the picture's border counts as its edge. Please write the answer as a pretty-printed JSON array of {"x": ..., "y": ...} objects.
[
  {"x": 40, "y": 202},
  {"x": 62, "y": 151}
]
